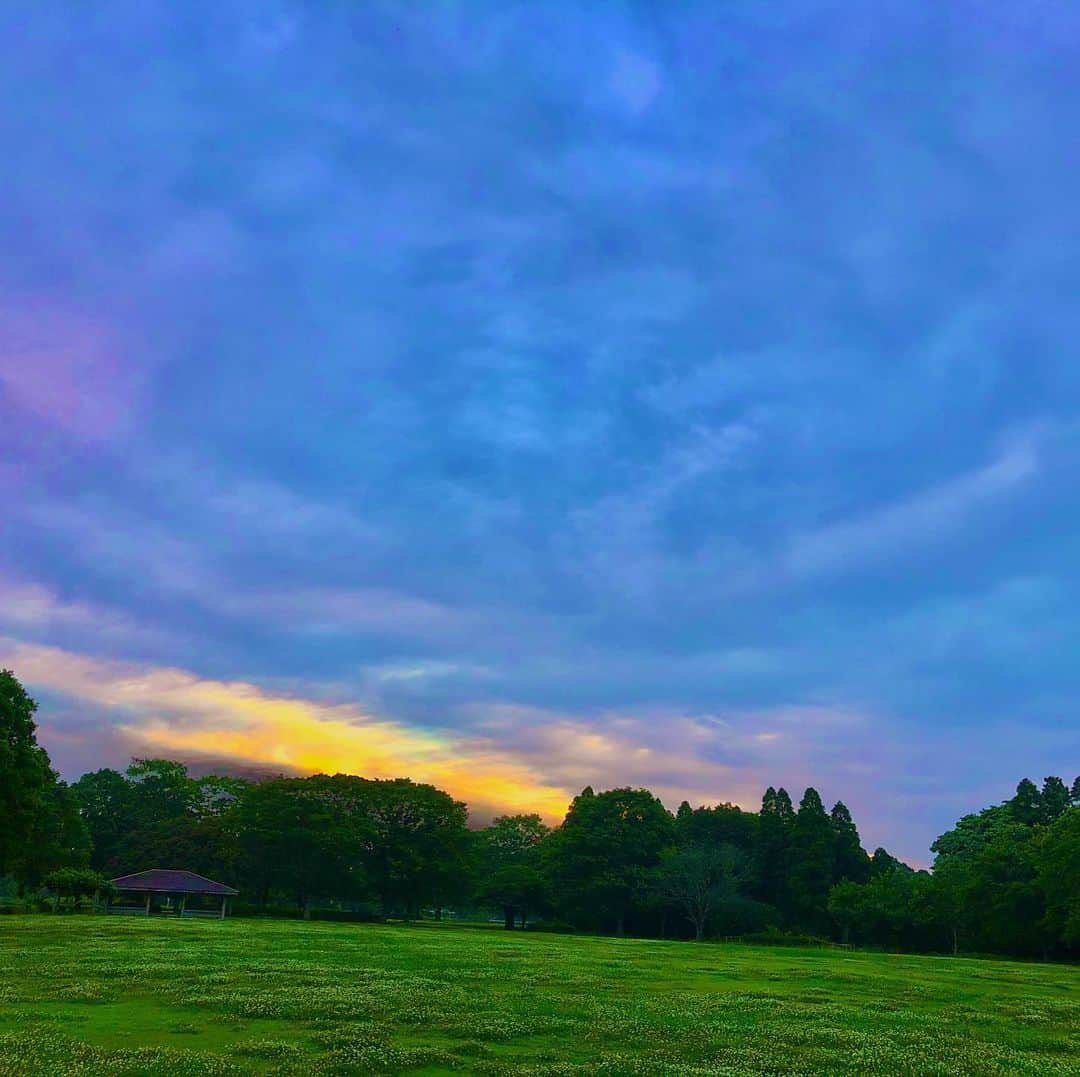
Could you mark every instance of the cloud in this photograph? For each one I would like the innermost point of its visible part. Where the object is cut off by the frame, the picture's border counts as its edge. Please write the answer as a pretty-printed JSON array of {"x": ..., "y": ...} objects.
[
  {"x": 173, "y": 712},
  {"x": 65, "y": 367},
  {"x": 651, "y": 370},
  {"x": 929, "y": 517},
  {"x": 635, "y": 81},
  {"x": 511, "y": 758}
]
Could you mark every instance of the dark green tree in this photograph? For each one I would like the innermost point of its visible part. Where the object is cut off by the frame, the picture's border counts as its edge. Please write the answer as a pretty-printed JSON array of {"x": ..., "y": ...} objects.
[
  {"x": 849, "y": 857},
  {"x": 974, "y": 832},
  {"x": 700, "y": 879},
  {"x": 162, "y": 791},
  {"x": 75, "y": 883},
  {"x": 1054, "y": 799},
  {"x": 1058, "y": 871},
  {"x": 40, "y": 826},
  {"x": 882, "y": 862},
  {"x": 216, "y": 794},
  {"x": 419, "y": 851},
  {"x": 893, "y": 909},
  {"x": 813, "y": 864},
  {"x": 107, "y": 802},
  {"x": 25, "y": 774},
  {"x": 207, "y": 846},
  {"x": 510, "y": 866},
  {"x": 1027, "y": 806},
  {"x": 772, "y": 849},
  {"x": 985, "y": 872},
  {"x": 58, "y": 837},
  {"x": 721, "y": 824},
  {"x": 604, "y": 857},
  {"x": 292, "y": 840}
]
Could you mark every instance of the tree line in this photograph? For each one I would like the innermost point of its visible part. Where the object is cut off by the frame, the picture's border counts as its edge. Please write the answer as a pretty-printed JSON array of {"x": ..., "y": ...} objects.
[{"x": 1004, "y": 880}]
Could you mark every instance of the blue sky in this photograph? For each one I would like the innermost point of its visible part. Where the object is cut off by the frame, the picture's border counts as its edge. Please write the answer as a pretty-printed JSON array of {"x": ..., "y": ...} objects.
[{"x": 520, "y": 396}]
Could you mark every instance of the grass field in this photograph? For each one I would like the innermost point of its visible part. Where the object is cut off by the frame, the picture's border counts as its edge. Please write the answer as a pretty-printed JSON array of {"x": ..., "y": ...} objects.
[{"x": 81, "y": 994}]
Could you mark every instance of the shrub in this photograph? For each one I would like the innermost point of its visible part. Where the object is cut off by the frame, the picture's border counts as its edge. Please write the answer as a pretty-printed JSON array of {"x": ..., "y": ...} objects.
[{"x": 75, "y": 883}]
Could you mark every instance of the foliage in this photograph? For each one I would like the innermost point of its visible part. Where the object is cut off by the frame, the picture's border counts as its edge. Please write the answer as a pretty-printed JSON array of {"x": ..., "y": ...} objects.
[
  {"x": 1005, "y": 880},
  {"x": 699, "y": 879},
  {"x": 1058, "y": 868},
  {"x": 772, "y": 852},
  {"x": 849, "y": 857},
  {"x": 75, "y": 883},
  {"x": 603, "y": 859},
  {"x": 417, "y": 849},
  {"x": 106, "y": 801},
  {"x": 813, "y": 862},
  {"x": 292, "y": 837},
  {"x": 511, "y": 871},
  {"x": 40, "y": 827}
]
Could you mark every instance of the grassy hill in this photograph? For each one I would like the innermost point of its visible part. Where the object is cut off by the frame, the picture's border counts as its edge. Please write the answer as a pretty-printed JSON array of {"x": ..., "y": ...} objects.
[{"x": 83, "y": 994}]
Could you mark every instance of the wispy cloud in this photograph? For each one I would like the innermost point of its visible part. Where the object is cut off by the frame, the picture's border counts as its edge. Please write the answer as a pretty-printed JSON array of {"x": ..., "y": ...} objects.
[{"x": 929, "y": 517}]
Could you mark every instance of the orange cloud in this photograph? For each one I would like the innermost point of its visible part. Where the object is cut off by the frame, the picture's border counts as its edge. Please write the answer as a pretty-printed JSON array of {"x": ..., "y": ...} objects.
[
  {"x": 173, "y": 712},
  {"x": 512, "y": 758}
]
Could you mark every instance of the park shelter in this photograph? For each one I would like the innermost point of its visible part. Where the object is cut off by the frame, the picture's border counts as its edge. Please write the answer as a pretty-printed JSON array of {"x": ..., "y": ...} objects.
[{"x": 171, "y": 890}]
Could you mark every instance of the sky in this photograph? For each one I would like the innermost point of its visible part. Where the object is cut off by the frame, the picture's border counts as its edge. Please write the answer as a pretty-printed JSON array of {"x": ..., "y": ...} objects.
[{"x": 525, "y": 396}]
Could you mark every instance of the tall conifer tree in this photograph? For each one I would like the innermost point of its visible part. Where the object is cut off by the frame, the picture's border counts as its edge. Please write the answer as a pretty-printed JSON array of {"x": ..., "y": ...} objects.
[
  {"x": 812, "y": 863},
  {"x": 850, "y": 859}
]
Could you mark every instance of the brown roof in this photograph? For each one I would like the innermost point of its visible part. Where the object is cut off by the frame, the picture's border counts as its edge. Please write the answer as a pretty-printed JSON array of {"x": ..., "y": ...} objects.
[{"x": 171, "y": 881}]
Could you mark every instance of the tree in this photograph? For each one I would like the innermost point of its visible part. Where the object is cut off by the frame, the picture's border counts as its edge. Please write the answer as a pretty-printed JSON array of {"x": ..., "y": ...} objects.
[
  {"x": 895, "y": 908},
  {"x": 1055, "y": 799},
  {"x": 510, "y": 869},
  {"x": 772, "y": 851},
  {"x": 207, "y": 846},
  {"x": 953, "y": 895},
  {"x": 849, "y": 858},
  {"x": 75, "y": 883},
  {"x": 986, "y": 875},
  {"x": 217, "y": 794},
  {"x": 106, "y": 802},
  {"x": 1027, "y": 806},
  {"x": 882, "y": 862},
  {"x": 812, "y": 862},
  {"x": 974, "y": 832},
  {"x": 1058, "y": 871},
  {"x": 162, "y": 791},
  {"x": 1074, "y": 793},
  {"x": 699, "y": 878},
  {"x": 604, "y": 856},
  {"x": 292, "y": 839},
  {"x": 847, "y": 906},
  {"x": 58, "y": 837},
  {"x": 25, "y": 774},
  {"x": 40, "y": 826},
  {"x": 721, "y": 824},
  {"x": 417, "y": 849}
]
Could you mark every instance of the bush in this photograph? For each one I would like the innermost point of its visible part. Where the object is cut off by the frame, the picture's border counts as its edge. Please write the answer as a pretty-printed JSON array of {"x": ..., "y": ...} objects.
[
  {"x": 267, "y": 912},
  {"x": 75, "y": 883},
  {"x": 744, "y": 916},
  {"x": 554, "y": 927},
  {"x": 773, "y": 936},
  {"x": 368, "y": 915}
]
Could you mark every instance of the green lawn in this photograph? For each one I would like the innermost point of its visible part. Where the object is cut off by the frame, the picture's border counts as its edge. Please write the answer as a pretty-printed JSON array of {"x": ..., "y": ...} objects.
[{"x": 84, "y": 994}]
